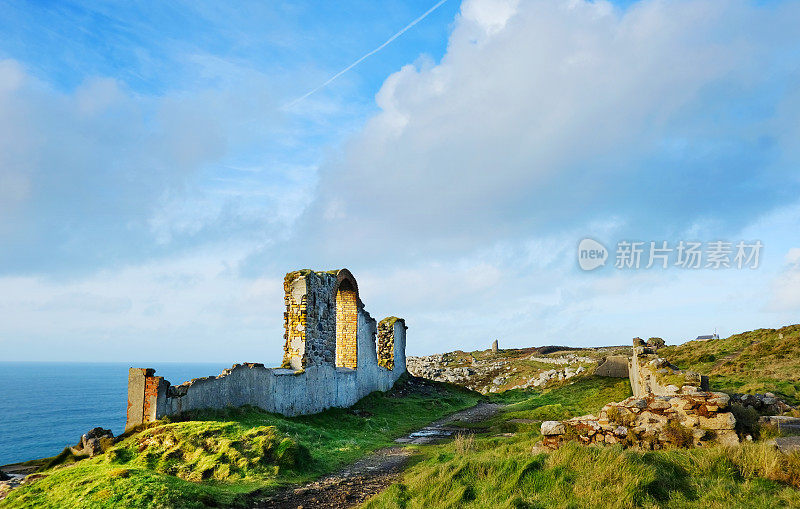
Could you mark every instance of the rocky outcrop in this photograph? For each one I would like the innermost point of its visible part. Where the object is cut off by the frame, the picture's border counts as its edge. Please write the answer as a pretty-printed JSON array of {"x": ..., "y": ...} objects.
[
  {"x": 654, "y": 422},
  {"x": 494, "y": 375},
  {"x": 94, "y": 442}
]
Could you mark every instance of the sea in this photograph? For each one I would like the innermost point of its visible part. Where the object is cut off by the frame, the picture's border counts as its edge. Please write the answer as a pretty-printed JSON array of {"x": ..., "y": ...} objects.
[{"x": 46, "y": 406}]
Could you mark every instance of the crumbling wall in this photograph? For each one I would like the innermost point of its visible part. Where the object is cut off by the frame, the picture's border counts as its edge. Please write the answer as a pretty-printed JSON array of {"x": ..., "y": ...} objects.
[
  {"x": 146, "y": 395},
  {"x": 309, "y": 380},
  {"x": 669, "y": 408},
  {"x": 386, "y": 346},
  {"x": 651, "y": 374}
]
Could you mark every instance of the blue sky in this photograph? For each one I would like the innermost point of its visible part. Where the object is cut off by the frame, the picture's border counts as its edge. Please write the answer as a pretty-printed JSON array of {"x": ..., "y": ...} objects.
[{"x": 157, "y": 180}]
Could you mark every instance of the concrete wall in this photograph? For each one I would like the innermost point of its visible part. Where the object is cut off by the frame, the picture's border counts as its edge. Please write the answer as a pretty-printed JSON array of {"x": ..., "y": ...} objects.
[
  {"x": 309, "y": 380},
  {"x": 614, "y": 366}
]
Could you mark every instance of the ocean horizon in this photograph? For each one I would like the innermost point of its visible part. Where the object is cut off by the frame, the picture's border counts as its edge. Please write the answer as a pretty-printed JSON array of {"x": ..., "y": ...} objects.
[{"x": 46, "y": 406}]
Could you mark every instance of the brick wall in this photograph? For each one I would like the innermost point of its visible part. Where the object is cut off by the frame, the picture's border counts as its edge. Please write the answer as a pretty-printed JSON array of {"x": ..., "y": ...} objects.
[
  {"x": 143, "y": 395},
  {"x": 346, "y": 327}
]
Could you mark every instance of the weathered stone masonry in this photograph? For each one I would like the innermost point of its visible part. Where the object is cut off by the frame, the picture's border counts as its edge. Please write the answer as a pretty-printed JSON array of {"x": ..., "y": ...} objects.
[
  {"x": 330, "y": 359},
  {"x": 669, "y": 407}
]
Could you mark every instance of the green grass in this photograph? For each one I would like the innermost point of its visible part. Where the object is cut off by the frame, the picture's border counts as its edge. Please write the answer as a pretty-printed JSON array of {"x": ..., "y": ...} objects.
[
  {"x": 489, "y": 470},
  {"x": 586, "y": 395},
  {"x": 220, "y": 458},
  {"x": 509, "y": 473},
  {"x": 750, "y": 362}
]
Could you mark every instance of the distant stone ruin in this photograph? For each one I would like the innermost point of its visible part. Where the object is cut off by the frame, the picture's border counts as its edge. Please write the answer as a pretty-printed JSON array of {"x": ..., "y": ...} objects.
[
  {"x": 669, "y": 407},
  {"x": 334, "y": 354}
]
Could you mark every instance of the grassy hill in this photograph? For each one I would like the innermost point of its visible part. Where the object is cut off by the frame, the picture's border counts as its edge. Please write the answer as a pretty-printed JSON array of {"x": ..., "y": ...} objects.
[
  {"x": 763, "y": 360},
  {"x": 501, "y": 466},
  {"x": 219, "y": 458}
]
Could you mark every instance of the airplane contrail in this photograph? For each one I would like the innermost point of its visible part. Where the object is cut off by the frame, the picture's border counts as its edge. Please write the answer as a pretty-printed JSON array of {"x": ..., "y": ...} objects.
[{"x": 366, "y": 56}]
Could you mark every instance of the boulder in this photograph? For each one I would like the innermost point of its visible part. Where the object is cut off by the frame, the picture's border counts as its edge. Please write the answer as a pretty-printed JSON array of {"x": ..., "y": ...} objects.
[
  {"x": 727, "y": 438},
  {"x": 659, "y": 404},
  {"x": 724, "y": 421},
  {"x": 788, "y": 444},
  {"x": 553, "y": 428},
  {"x": 94, "y": 442}
]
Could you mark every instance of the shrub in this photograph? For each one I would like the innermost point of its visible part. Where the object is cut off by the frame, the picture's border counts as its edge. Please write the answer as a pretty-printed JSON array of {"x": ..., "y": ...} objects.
[
  {"x": 746, "y": 420},
  {"x": 678, "y": 435},
  {"x": 707, "y": 357}
]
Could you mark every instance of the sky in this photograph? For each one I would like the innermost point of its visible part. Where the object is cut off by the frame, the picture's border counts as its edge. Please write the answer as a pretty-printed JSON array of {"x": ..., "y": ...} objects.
[{"x": 164, "y": 164}]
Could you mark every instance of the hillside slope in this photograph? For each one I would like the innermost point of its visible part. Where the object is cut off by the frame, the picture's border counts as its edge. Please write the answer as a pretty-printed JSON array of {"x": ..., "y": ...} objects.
[{"x": 763, "y": 360}]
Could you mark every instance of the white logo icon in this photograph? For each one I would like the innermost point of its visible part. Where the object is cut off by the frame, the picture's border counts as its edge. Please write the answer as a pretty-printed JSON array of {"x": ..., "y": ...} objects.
[{"x": 591, "y": 254}]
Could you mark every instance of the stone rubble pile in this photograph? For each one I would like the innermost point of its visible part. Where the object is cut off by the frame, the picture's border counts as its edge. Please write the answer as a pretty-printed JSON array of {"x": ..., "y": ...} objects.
[
  {"x": 766, "y": 403},
  {"x": 693, "y": 418}
]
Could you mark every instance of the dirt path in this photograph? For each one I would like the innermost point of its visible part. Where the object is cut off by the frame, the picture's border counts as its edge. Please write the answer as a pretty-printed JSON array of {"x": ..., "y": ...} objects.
[{"x": 370, "y": 475}]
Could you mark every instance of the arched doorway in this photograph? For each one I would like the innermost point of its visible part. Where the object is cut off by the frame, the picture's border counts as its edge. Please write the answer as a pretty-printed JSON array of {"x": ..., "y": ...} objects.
[{"x": 346, "y": 325}]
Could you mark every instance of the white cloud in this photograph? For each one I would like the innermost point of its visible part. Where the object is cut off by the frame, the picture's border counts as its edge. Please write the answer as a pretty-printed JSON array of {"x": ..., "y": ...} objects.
[
  {"x": 189, "y": 308},
  {"x": 785, "y": 295},
  {"x": 544, "y": 115},
  {"x": 100, "y": 175}
]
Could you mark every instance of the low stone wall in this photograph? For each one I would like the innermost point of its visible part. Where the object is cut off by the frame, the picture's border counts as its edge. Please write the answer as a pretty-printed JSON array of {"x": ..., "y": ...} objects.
[
  {"x": 279, "y": 390},
  {"x": 655, "y": 422}
]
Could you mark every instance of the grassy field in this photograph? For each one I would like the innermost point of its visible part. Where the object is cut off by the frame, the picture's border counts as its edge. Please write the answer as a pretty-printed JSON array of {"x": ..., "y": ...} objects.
[
  {"x": 496, "y": 469},
  {"x": 220, "y": 458},
  {"x": 763, "y": 360}
]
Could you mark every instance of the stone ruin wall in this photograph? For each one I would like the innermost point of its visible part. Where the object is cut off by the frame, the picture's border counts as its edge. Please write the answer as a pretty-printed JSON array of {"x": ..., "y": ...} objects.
[
  {"x": 669, "y": 408},
  {"x": 313, "y": 376},
  {"x": 651, "y": 374}
]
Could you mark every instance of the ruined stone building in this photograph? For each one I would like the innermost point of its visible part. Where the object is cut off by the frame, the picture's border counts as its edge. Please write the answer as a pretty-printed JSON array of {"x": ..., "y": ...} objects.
[{"x": 335, "y": 353}]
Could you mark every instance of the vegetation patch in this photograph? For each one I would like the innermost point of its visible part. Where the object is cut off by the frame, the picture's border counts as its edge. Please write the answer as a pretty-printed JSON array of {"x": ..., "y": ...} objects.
[{"x": 224, "y": 457}]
